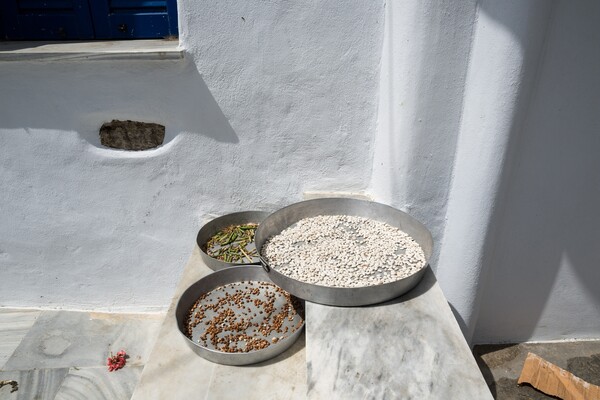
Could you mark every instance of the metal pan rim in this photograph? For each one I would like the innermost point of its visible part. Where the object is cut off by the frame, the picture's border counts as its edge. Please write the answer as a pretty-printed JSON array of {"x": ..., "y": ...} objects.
[
  {"x": 345, "y": 296},
  {"x": 217, "y": 279},
  {"x": 214, "y": 225}
]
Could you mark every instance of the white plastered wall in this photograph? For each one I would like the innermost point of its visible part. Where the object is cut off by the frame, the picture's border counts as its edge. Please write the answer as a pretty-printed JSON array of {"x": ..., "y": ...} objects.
[
  {"x": 272, "y": 99},
  {"x": 487, "y": 134},
  {"x": 479, "y": 118},
  {"x": 542, "y": 276},
  {"x": 424, "y": 66}
]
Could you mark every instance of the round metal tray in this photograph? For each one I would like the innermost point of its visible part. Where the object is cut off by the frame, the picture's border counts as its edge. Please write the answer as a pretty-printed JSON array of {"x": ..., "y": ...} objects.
[
  {"x": 338, "y": 296},
  {"x": 212, "y": 227},
  {"x": 213, "y": 281}
]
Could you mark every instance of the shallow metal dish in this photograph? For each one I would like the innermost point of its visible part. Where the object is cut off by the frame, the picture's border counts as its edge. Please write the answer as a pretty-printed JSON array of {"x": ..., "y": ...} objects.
[
  {"x": 212, "y": 227},
  {"x": 211, "y": 282},
  {"x": 337, "y": 296}
]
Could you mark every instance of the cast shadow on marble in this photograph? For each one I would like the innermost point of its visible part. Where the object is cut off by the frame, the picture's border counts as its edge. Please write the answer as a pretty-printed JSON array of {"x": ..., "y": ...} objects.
[
  {"x": 426, "y": 283},
  {"x": 175, "y": 371},
  {"x": 282, "y": 377},
  {"x": 410, "y": 348},
  {"x": 298, "y": 346}
]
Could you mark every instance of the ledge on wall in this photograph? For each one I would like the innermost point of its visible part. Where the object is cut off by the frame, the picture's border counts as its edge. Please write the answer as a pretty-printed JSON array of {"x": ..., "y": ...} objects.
[{"x": 91, "y": 50}]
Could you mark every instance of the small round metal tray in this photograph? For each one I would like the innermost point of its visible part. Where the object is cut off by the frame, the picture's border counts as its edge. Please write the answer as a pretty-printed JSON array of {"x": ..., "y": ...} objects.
[
  {"x": 240, "y": 277},
  {"x": 214, "y": 226},
  {"x": 339, "y": 296}
]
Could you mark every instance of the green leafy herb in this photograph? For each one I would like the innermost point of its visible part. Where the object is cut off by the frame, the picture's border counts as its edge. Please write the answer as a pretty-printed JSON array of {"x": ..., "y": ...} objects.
[{"x": 231, "y": 244}]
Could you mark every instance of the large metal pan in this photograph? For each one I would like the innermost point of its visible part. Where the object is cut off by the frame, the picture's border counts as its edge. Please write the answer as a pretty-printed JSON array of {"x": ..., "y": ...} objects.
[
  {"x": 213, "y": 281},
  {"x": 337, "y": 296}
]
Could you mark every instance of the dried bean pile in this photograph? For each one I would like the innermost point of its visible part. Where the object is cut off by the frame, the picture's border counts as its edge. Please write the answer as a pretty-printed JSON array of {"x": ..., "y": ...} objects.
[
  {"x": 343, "y": 251},
  {"x": 244, "y": 316}
]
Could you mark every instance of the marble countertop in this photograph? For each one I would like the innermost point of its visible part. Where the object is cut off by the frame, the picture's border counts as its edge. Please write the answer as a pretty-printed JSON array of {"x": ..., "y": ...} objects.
[
  {"x": 174, "y": 371},
  {"x": 81, "y": 50},
  {"x": 407, "y": 348}
]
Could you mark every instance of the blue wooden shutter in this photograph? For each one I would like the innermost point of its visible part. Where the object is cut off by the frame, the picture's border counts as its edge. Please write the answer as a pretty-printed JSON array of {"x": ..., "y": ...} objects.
[
  {"x": 134, "y": 19},
  {"x": 47, "y": 19},
  {"x": 2, "y": 37}
]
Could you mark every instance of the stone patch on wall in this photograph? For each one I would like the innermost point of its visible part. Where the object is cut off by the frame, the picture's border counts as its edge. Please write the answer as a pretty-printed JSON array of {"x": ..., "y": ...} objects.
[{"x": 131, "y": 135}]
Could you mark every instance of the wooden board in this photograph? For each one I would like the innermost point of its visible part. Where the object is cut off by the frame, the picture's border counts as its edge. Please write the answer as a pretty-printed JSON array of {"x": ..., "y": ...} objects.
[{"x": 555, "y": 381}]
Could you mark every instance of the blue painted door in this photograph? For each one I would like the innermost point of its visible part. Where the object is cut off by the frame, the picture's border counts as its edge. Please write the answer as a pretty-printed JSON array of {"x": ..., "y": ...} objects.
[
  {"x": 87, "y": 19},
  {"x": 47, "y": 19},
  {"x": 128, "y": 19}
]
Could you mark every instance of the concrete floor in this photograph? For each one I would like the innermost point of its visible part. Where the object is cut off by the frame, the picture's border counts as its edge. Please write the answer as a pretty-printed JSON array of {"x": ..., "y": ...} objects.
[{"x": 501, "y": 365}]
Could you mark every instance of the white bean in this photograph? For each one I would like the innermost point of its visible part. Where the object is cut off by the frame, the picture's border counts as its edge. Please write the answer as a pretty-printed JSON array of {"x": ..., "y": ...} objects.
[{"x": 344, "y": 251}]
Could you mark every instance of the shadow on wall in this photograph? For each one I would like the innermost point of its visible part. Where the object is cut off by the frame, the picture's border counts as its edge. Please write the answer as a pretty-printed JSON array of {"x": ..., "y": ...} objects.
[
  {"x": 543, "y": 267},
  {"x": 424, "y": 65},
  {"x": 88, "y": 226},
  {"x": 438, "y": 95},
  {"x": 80, "y": 96}
]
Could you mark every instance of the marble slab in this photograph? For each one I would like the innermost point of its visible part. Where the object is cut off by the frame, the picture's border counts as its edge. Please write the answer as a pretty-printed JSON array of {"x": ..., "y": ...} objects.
[
  {"x": 175, "y": 371},
  {"x": 14, "y": 325},
  {"x": 283, "y": 377},
  {"x": 408, "y": 348},
  {"x": 99, "y": 384},
  {"x": 129, "y": 50},
  {"x": 39, "y": 384},
  {"x": 63, "y": 339}
]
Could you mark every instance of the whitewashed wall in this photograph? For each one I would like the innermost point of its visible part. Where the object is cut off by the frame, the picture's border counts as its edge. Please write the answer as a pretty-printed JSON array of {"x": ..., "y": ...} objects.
[
  {"x": 424, "y": 65},
  {"x": 505, "y": 56},
  {"x": 488, "y": 132},
  {"x": 542, "y": 280},
  {"x": 272, "y": 100},
  {"x": 478, "y": 117}
]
